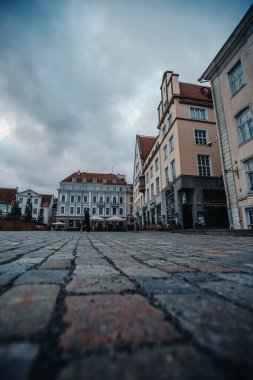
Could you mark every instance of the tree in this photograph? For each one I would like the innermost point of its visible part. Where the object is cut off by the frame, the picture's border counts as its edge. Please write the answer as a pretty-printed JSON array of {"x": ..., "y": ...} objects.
[
  {"x": 16, "y": 211},
  {"x": 28, "y": 210},
  {"x": 41, "y": 216}
]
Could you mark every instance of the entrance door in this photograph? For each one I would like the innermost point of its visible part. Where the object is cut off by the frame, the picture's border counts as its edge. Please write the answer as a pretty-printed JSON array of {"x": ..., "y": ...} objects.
[{"x": 187, "y": 216}]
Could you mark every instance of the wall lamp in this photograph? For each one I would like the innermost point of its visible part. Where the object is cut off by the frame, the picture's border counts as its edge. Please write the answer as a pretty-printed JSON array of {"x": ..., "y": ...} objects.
[{"x": 210, "y": 143}]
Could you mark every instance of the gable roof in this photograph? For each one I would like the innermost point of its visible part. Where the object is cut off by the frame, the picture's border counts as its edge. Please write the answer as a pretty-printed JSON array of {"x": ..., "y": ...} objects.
[
  {"x": 195, "y": 91},
  {"x": 7, "y": 195},
  {"x": 99, "y": 176},
  {"x": 146, "y": 144},
  {"x": 46, "y": 199}
]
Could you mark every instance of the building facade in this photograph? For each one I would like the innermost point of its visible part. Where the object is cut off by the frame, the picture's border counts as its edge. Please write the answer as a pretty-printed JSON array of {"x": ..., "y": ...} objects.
[
  {"x": 129, "y": 205},
  {"x": 41, "y": 204},
  {"x": 180, "y": 180},
  {"x": 103, "y": 195},
  {"x": 7, "y": 198},
  {"x": 231, "y": 77}
]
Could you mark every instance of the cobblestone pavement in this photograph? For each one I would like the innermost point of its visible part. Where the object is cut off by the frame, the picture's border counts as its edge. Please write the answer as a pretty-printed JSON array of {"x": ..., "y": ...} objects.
[{"x": 125, "y": 306}]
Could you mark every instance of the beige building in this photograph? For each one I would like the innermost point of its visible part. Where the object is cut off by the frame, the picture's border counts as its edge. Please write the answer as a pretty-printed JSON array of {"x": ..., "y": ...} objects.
[
  {"x": 231, "y": 76},
  {"x": 129, "y": 205},
  {"x": 178, "y": 179}
]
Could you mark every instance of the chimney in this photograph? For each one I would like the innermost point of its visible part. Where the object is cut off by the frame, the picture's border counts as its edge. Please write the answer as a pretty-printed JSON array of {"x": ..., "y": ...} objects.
[{"x": 78, "y": 173}]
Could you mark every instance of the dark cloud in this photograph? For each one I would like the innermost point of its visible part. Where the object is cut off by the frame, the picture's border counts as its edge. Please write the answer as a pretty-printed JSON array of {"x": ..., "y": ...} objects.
[{"x": 79, "y": 79}]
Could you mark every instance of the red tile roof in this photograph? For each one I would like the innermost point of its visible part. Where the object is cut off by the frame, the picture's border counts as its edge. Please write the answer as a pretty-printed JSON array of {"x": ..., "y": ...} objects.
[
  {"x": 194, "y": 91},
  {"x": 8, "y": 196},
  {"x": 99, "y": 176},
  {"x": 46, "y": 199},
  {"x": 146, "y": 143}
]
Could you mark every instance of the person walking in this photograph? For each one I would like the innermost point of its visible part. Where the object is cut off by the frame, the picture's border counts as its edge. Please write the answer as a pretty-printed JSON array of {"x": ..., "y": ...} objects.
[{"x": 87, "y": 220}]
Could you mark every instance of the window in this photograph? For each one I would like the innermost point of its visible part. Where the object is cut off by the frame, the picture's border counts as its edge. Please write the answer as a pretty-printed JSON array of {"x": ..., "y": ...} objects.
[
  {"x": 170, "y": 121},
  {"x": 147, "y": 179},
  {"x": 85, "y": 180},
  {"x": 94, "y": 210},
  {"x": 20, "y": 200},
  {"x": 114, "y": 200},
  {"x": 164, "y": 130},
  {"x": 151, "y": 172},
  {"x": 120, "y": 200},
  {"x": 131, "y": 199},
  {"x": 204, "y": 165},
  {"x": 104, "y": 180},
  {"x": 94, "y": 199},
  {"x": 156, "y": 165},
  {"x": 165, "y": 152},
  {"x": 200, "y": 137},
  {"x": 114, "y": 180},
  {"x": 236, "y": 78},
  {"x": 62, "y": 210},
  {"x": 79, "y": 198},
  {"x": 171, "y": 143},
  {"x": 121, "y": 211},
  {"x": 101, "y": 199},
  {"x": 147, "y": 195},
  {"x": 173, "y": 170},
  {"x": 244, "y": 124},
  {"x": 34, "y": 211},
  {"x": 94, "y": 180},
  {"x": 152, "y": 190},
  {"x": 198, "y": 113},
  {"x": 63, "y": 198},
  {"x": 249, "y": 174},
  {"x": 36, "y": 201},
  {"x": 71, "y": 210},
  {"x": 166, "y": 175},
  {"x": 100, "y": 210},
  {"x": 73, "y": 179},
  {"x": 114, "y": 211},
  {"x": 107, "y": 199},
  {"x": 78, "y": 210},
  {"x": 107, "y": 211},
  {"x": 72, "y": 198},
  {"x": 85, "y": 198},
  {"x": 157, "y": 185}
]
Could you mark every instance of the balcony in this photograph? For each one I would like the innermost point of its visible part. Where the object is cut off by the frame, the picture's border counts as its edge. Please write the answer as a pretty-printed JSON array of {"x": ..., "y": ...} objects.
[{"x": 142, "y": 183}]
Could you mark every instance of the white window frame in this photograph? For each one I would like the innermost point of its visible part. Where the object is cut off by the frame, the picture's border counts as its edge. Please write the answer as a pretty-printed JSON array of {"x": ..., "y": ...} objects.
[
  {"x": 199, "y": 109},
  {"x": 246, "y": 126},
  {"x": 202, "y": 168},
  {"x": 248, "y": 165},
  {"x": 206, "y": 138},
  {"x": 238, "y": 82}
]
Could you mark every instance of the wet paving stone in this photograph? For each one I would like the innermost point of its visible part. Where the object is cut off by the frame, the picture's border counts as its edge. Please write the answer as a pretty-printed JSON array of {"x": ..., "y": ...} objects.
[
  {"x": 94, "y": 270},
  {"x": 96, "y": 321},
  {"x": 102, "y": 284},
  {"x": 158, "y": 364},
  {"x": 240, "y": 278},
  {"x": 56, "y": 264},
  {"x": 43, "y": 276},
  {"x": 170, "y": 285},
  {"x": 26, "y": 309},
  {"x": 243, "y": 295},
  {"x": 214, "y": 323},
  {"x": 16, "y": 360}
]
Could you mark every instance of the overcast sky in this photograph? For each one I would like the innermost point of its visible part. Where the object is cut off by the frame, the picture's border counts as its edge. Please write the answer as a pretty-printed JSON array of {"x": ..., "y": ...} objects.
[{"x": 79, "y": 79}]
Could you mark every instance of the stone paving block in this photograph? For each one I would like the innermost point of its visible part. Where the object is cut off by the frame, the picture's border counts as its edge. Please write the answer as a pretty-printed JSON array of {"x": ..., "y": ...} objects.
[
  {"x": 101, "y": 284},
  {"x": 16, "y": 360},
  {"x": 30, "y": 260},
  {"x": 171, "y": 267},
  {"x": 56, "y": 264},
  {"x": 95, "y": 321},
  {"x": 178, "y": 363},
  {"x": 209, "y": 267},
  {"x": 240, "y": 278},
  {"x": 26, "y": 309},
  {"x": 43, "y": 276},
  {"x": 214, "y": 323},
  {"x": 14, "y": 267},
  {"x": 198, "y": 277},
  {"x": 94, "y": 270},
  {"x": 143, "y": 271},
  {"x": 241, "y": 294},
  {"x": 60, "y": 256},
  {"x": 170, "y": 285},
  {"x": 91, "y": 261},
  {"x": 6, "y": 278},
  {"x": 6, "y": 259}
]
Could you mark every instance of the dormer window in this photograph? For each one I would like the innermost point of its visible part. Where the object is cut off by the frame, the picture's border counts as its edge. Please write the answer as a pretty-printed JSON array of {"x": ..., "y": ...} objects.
[
  {"x": 84, "y": 180},
  {"x": 94, "y": 180},
  {"x": 73, "y": 179},
  {"x": 114, "y": 181},
  {"x": 29, "y": 193},
  {"x": 104, "y": 180}
]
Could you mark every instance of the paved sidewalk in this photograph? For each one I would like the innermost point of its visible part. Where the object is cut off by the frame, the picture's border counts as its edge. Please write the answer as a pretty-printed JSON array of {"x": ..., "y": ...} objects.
[{"x": 125, "y": 306}]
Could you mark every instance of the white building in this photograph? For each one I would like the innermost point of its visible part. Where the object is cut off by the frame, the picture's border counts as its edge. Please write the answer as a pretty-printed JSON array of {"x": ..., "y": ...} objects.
[
  {"x": 39, "y": 202},
  {"x": 103, "y": 194}
]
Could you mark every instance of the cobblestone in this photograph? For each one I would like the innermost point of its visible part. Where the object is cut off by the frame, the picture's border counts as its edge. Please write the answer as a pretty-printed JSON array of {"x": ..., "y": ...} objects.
[{"x": 125, "y": 306}]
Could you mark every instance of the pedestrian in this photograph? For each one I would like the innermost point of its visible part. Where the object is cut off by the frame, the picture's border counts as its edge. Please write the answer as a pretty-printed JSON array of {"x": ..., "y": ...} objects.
[{"x": 87, "y": 220}]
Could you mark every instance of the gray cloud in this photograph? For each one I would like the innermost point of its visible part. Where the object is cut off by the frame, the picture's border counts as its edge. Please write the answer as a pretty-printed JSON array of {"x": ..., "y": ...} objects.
[{"x": 79, "y": 79}]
